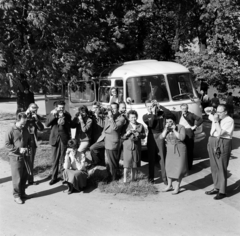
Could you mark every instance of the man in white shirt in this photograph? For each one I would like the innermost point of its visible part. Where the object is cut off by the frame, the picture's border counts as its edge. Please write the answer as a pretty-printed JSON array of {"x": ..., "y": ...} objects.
[{"x": 219, "y": 148}]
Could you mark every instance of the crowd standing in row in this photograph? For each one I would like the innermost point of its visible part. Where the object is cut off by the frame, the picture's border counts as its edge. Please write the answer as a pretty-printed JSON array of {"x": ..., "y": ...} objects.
[{"x": 111, "y": 134}]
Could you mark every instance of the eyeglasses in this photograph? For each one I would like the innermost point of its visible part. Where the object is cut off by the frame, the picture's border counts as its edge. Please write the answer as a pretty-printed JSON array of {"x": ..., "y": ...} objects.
[{"x": 220, "y": 112}]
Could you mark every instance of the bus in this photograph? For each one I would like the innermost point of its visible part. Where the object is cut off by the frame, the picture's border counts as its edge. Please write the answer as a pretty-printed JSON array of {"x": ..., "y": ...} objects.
[{"x": 168, "y": 83}]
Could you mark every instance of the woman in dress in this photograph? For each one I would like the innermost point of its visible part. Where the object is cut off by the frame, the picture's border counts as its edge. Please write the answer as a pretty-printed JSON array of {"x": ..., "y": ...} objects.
[
  {"x": 75, "y": 173},
  {"x": 176, "y": 159},
  {"x": 83, "y": 124},
  {"x": 132, "y": 135}
]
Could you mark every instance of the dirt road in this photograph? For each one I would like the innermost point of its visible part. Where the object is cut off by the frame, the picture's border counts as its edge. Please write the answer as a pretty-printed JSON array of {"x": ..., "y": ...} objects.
[{"x": 52, "y": 212}]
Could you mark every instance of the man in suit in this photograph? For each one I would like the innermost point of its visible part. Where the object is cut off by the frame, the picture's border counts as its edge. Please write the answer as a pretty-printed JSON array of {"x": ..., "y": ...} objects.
[
  {"x": 190, "y": 121},
  {"x": 109, "y": 140},
  {"x": 60, "y": 122},
  {"x": 156, "y": 147},
  {"x": 33, "y": 125}
]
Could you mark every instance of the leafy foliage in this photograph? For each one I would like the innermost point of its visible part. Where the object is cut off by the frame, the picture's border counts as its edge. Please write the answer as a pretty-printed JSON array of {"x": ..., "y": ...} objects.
[{"x": 51, "y": 41}]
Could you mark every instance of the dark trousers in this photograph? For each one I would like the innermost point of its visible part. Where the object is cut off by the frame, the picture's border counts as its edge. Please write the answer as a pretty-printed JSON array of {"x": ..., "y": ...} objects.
[
  {"x": 219, "y": 165},
  {"x": 97, "y": 153},
  {"x": 19, "y": 175},
  {"x": 156, "y": 147},
  {"x": 112, "y": 156},
  {"x": 189, "y": 141},
  {"x": 31, "y": 163},
  {"x": 58, "y": 154},
  {"x": 113, "y": 162}
]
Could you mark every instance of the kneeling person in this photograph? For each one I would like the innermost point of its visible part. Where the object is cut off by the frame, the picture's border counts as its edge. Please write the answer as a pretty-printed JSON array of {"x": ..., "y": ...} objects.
[{"x": 75, "y": 173}]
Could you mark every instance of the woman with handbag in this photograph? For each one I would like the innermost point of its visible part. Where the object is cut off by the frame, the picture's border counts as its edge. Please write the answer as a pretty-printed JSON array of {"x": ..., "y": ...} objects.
[
  {"x": 75, "y": 173},
  {"x": 132, "y": 134}
]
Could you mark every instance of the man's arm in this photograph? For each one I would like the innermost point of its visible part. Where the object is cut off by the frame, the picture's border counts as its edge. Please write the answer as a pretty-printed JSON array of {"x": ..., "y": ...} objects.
[
  {"x": 87, "y": 126},
  {"x": 116, "y": 124},
  {"x": 39, "y": 124},
  {"x": 51, "y": 119},
  {"x": 197, "y": 120},
  {"x": 9, "y": 143}
]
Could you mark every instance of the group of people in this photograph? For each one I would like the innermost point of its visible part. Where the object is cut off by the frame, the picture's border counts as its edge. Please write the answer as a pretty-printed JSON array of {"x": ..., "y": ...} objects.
[{"x": 112, "y": 133}]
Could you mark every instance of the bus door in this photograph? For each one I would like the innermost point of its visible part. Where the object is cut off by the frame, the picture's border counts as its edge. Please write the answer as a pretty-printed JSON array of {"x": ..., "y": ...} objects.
[{"x": 81, "y": 93}]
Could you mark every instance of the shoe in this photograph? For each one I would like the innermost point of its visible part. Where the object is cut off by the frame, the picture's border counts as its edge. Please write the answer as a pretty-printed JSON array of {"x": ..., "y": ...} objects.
[
  {"x": 70, "y": 188},
  {"x": 33, "y": 183},
  {"x": 53, "y": 181},
  {"x": 18, "y": 200},
  {"x": 213, "y": 191},
  {"x": 25, "y": 196},
  {"x": 175, "y": 192},
  {"x": 220, "y": 196}
]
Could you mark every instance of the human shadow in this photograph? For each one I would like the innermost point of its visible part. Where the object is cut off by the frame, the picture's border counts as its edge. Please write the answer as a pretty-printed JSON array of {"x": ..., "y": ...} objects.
[
  {"x": 48, "y": 192},
  {"x": 43, "y": 180},
  {"x": 233, "y": 189},
  {"x": 6, "y": 179}
]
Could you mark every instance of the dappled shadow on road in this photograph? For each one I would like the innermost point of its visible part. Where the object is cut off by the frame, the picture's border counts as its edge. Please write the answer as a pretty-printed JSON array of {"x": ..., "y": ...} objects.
[{"x": 6, "y": 179}]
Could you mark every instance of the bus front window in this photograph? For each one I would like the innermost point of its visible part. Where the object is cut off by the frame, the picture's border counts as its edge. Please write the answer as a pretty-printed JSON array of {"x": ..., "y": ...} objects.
[
  {"x": 82, "y": 92},
  {"x": 180, "y": 86},
  {"x": 143, "y": 88}
]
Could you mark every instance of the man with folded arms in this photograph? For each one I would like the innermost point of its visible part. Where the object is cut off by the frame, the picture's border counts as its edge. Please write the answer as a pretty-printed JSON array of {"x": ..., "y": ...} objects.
[
  {"x": 18, "y": 142},
  {"x": 219, "y": 148}
]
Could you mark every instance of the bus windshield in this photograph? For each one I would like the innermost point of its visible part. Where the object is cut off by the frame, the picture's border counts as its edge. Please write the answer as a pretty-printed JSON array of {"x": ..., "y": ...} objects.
[
  {"x": 180, "y": 86},
  {"x": 142, "y": 88}
]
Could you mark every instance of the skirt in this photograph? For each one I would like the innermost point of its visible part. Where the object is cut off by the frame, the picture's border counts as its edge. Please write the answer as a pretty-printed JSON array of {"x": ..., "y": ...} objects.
[
  {"x": 77, "y": 178},
  {"x": 176, "y": 161}
]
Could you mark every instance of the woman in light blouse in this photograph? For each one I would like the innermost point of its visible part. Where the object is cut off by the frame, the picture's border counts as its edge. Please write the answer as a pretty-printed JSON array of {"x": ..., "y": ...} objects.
[{"x": 75, "y": 173}]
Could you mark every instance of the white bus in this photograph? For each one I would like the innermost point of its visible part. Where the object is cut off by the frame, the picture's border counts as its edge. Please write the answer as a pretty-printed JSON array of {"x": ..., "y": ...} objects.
[{"x": 137, "y": 81}]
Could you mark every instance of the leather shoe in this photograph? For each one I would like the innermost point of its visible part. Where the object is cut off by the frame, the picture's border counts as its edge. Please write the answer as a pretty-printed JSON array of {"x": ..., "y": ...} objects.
[
  {"x": 18, "y": 200},
  {"x": 220, "y": 196},
  {"x": 25, "y": 196},
  {"x": 211, "y": 192},
  {"x": 53, "y": 181},
  {"x": 33, "y": 183}
]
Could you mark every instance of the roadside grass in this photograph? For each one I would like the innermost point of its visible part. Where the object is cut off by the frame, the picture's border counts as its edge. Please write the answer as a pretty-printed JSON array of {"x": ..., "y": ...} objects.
[
  {"x": 7, "y": 116},
  {"x": 140, "y": 187}
]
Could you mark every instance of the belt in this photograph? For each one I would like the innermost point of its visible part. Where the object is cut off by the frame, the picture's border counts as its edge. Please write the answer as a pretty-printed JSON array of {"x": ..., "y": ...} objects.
[{"x": 219, "y": 137}]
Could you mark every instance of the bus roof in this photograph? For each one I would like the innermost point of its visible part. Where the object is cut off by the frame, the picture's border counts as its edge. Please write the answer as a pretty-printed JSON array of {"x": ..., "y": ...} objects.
[{"x": 147, "y": 67}]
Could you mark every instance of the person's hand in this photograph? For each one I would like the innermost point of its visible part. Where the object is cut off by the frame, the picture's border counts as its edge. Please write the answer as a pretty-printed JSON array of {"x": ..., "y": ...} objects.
[
  {"x": 27, "y": 111},
  {"x": 54, "y": 112},
  {"x": 129, "y": 132},
  {"x": 136, "y": 134},
  {"x": 35, "y": 116},
  {"x": 23, "y": 150},
  {"x": 153, "y": 109},
  {"x": 216, "y": 117},
  {"x": 60, "y": 114},
  {"x": 194, "y": 127},
  {"x": 80, "y": 118},
  {"x": 173, "y": 127}
]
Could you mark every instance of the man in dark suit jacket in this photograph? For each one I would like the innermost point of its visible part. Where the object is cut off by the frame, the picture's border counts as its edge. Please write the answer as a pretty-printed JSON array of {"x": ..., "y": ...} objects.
[
  {"x": 60, "y": 122},
  {"x": 190, "y": 121},
  {"x": 33, "y": 125},
  {"x": 109, "y": 140}
]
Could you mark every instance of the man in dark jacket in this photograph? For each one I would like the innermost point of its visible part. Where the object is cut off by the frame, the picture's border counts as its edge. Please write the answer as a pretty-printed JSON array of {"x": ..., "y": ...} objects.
[
  {"x": 18, "y": 142},
  {"x": 156, "y": 147},
  {"x": 190, "y": 121},
  {"x": 60, "y": 122},
  {"x": 33, "y": 125}
]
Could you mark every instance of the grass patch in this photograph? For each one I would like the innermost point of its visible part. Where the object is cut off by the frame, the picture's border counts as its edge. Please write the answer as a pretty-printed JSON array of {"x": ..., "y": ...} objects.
[
  {"x": 42, "y": 163},
  {"x": 7, "y": 116},
  {"x": 141, "y": 187}
]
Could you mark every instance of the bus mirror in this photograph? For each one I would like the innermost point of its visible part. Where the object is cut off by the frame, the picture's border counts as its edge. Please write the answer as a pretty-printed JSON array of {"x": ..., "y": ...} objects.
[{"x": 129, "y": 101}]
